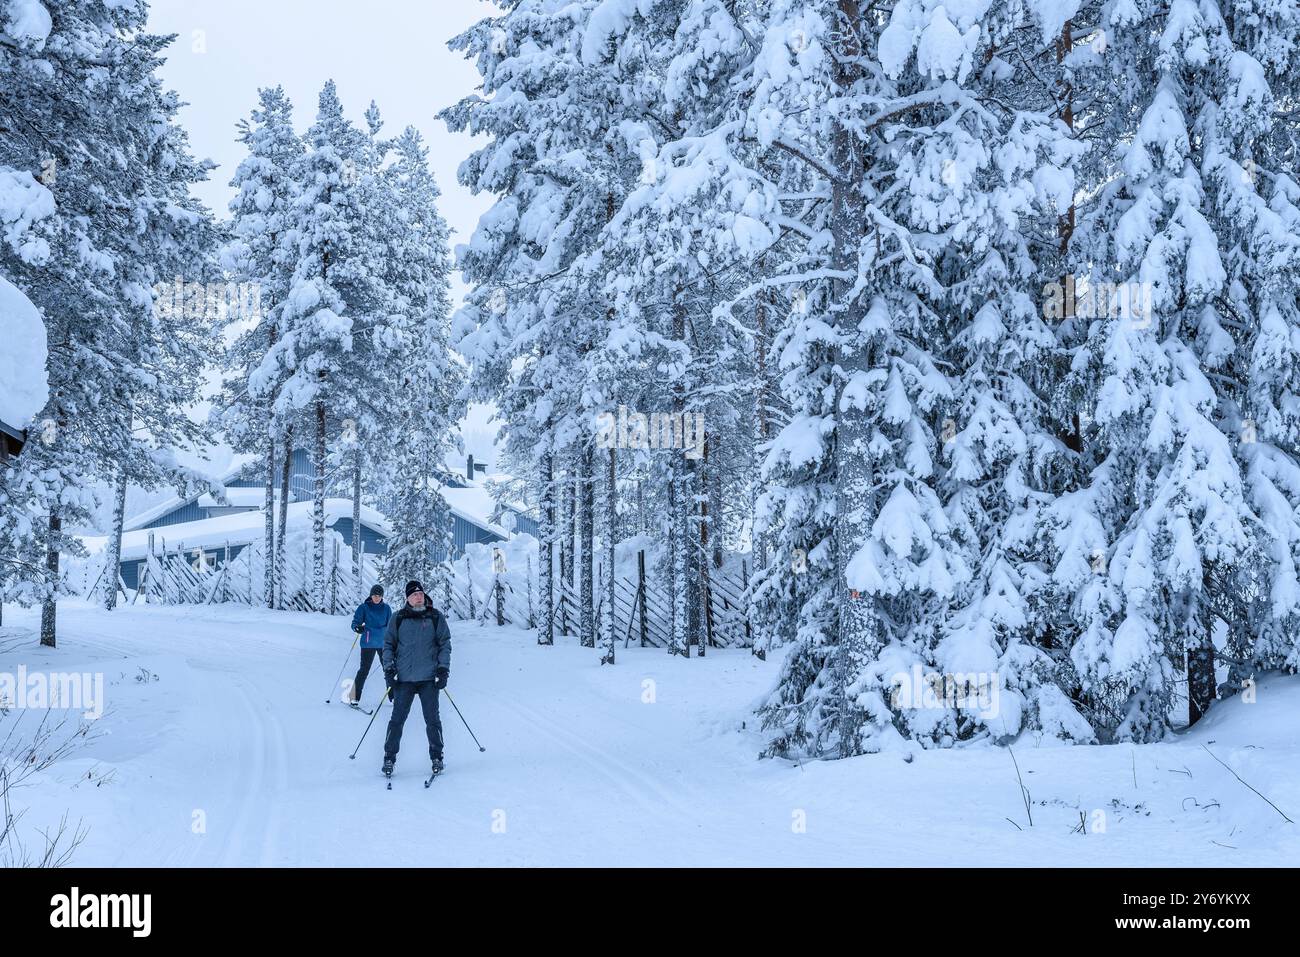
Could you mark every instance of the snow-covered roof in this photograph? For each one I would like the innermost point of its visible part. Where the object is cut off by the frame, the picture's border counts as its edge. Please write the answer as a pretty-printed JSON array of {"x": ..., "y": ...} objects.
[
  {"x": 239, "y": 528},
  {"x": 239, "y": 497},
  {"x": 24, "y": 386},
  {"x": 474, "y": 505},
  {"x": 237, "y": 464}
]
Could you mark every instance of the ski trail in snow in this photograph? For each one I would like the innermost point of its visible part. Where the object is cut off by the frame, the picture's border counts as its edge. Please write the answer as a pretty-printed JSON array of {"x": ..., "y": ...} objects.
[
  {"x": 247, "y": 772},
  {"x": 638, "y": 785},
  {"x": 578, "y": 771}
]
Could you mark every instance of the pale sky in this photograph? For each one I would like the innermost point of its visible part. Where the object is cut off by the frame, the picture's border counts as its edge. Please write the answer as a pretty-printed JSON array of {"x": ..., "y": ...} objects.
[{"x": 391, "y": 51}]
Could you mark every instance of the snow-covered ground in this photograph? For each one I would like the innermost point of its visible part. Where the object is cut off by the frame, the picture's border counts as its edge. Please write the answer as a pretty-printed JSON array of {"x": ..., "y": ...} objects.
[{"x": 217, "y": 748}]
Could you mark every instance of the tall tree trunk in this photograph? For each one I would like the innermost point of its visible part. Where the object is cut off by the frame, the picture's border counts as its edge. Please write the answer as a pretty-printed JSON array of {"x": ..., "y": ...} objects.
[
  {"x": 113, "y": 554},
  {"x": 1066, "y": 222},
  {"x": 762, "y": 402},
  {"x": 1202, "y": 686},
  {"x": 566, "y": 550},
  {"x": 676, "y": 602},
  {"x": 642, "y": 526},
  {"x": 49, "y": 606},
  {"x": 709, "y": 548},
  {"x": 857, "y": 628},
  {"x": 546, "y": 636},
  {"x": 688, "y": 548},
  {"x": 575, "y": 468},
  {"x": 281, "y": 568},
  {"x": 682, "y": 582},
  {"x": 611, "y": 540},
  {"x": 356, "y": 523},
  {"x": 715, "y": 498},
  {"x": 1064, "y": 45},
  {"x": 318, "y": 514},
  {"x": 586, "y": 522},
  {"x": 268, "y": 551}
]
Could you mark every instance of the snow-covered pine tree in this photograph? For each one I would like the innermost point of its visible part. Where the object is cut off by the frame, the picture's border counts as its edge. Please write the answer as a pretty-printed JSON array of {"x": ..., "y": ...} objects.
[
  {"x": 173, "y": 236},
  {"x": 1186, "y": 525},
  {"x": 30, "y": 235},
  {"x": 1003, "y": 193},
  {"x": 370, "y": 399},
  {"x": 420, "y": 377},
  {"x": 859, "y": 192},
  {"x": 664, "y": 259},
  {"x": 550, "y": 107},
  {"x": 260, "y": 254},
  {"x": 336, "y": 292},
  {"x": 121, "y": 221}
]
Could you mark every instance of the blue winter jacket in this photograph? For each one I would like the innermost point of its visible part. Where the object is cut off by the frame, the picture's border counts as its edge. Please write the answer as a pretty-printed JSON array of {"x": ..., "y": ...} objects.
[{"x": 375, "y": 620}]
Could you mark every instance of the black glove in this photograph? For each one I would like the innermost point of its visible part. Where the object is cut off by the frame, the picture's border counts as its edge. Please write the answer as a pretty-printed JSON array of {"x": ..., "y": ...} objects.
[
  {"x": 440, "y": 678},
  {"x": 391, "y": 678},
  {"x": 359, "y": 629}
]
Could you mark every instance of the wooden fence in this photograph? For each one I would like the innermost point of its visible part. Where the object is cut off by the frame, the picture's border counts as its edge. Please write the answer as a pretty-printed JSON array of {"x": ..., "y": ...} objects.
[
  {"x": 173, "y": 574},
  {"x": 642, "y": 609}
]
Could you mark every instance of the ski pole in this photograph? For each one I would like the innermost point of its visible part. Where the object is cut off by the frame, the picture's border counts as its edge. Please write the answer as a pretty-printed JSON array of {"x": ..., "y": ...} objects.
[
  {"x": 353, "y": 755},
  {"x": 462, "y": 719},
  {"x": 344, "y": 668}
]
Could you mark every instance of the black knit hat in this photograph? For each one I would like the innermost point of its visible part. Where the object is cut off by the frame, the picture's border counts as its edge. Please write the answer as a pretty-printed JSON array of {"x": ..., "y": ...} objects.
[
  {"x": 413, "y": 586},
  {"x": 377, "y": 590}
]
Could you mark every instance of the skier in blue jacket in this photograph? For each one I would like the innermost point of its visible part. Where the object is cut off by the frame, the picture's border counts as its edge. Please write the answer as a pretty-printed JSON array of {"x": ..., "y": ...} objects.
[{"x": 371, "y": 622}]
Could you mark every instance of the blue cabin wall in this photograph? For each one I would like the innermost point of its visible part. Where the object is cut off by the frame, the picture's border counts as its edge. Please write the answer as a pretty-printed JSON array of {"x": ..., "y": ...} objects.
[
  {"x": 525, "y": 525},
  {"x": 466, "y": 533},
  {"x": 301, "y": 474},
  {"x": 375, "y": 543},
  {"x": 300, "y": 489},
  {"x": 463, "y": 533},
  {"x": 132, "y": 570},
  {"x": 189, "y": 512}
]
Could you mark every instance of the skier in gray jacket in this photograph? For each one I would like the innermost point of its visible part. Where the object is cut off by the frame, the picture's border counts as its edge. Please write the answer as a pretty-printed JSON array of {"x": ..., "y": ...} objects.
[{"x": 417, "y": 661}]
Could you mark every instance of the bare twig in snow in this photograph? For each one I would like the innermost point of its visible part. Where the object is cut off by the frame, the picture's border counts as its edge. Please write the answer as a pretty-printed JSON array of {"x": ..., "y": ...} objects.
[
  {"x": 1024, "y": 791},
  {"x": 1238, "y": 777}
]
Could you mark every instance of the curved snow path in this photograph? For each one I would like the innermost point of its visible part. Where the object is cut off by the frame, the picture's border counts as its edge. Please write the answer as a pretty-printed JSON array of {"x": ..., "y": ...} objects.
[{"x": 223, "y": 752}]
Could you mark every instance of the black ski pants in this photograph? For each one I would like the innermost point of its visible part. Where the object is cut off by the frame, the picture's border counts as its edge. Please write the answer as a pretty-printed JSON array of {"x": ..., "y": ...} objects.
[{"x": 404, "y": 693}]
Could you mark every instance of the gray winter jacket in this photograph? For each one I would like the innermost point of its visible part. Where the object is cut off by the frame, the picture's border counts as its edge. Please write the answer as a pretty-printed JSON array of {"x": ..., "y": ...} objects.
[{"x": 417, "y": 643}]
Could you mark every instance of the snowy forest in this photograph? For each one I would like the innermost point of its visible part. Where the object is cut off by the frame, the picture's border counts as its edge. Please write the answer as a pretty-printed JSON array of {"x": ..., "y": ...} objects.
[
  {"x": 989, "y": 308},
  {"x": 960, "y": 337}
]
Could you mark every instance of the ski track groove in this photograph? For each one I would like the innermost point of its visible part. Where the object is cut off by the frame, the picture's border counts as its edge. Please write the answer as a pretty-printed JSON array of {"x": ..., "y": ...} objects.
[
  {"x": 637, "y": 784},
  {"x": 256, "y": 813}
]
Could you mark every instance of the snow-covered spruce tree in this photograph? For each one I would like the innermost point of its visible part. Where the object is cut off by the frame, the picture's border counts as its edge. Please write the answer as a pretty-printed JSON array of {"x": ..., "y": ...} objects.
[
  {"x": 855, "y": 499},
  {"x": 258, "y": 258},
  {"x": 531, "y": 319},
  {"x": 370, "y": 398},
  {"x": 420, "y": 378},
  {"x": 1005, "y": 454},
  {"x": 173, "y": 237},
  {"x": 84, "y": 109},
  {"x": 1186, "y": 526},
  {"x": 335, "y": 296},
  {"x": 679, "y": 244}
]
